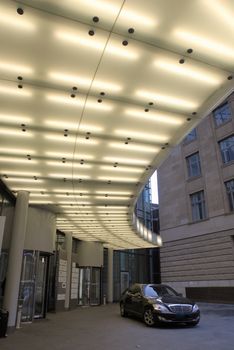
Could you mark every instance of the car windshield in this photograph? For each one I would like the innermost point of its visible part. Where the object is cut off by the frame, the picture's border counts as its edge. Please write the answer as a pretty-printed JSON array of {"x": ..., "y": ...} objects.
[{"x": 159, "y": 291}]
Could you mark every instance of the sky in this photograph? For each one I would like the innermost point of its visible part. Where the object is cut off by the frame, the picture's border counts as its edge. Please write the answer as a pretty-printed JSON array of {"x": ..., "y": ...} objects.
[{"x": 154, "y": 187}]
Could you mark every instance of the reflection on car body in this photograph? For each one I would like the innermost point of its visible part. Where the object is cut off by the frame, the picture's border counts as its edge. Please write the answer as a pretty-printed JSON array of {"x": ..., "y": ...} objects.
[{"x": 158, "y": 303}]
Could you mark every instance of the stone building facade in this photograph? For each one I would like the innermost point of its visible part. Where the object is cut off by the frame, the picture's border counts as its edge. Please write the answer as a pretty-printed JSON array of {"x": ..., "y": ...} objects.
[{"x": 196, "y": 198}]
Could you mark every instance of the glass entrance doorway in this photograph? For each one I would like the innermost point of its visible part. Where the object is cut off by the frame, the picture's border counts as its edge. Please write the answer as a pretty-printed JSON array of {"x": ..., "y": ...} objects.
[
  {"x": 27, "y": 286},
  {"x": 40, "y": 287},
  {"x": 89, "y": 286},
  {"x": 32, "y": 295}
]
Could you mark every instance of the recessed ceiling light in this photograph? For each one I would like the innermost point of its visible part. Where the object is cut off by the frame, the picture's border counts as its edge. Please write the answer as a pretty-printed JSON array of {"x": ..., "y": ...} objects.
[
  {"x": 78, "y": 103},
  {"x": 21, "y": 151},
  {"x": 167, "y": 99},
  {"x": 117, "y": 178},
  {"x": 190, "y": 71},
  {"x": 66, "y": 164},
  {"x": 124, "y": 160},
  {"x": 10, "y": 90},
  {"x": 68, "y": 176},
  {"x": 13, "y": 119},
  {"x": 16, "y": 23},
  {"x": 15, "y": 132},
  {"x": 86, "y": 82},
  {"x": 121, "y": 169},
  {"x": 95, "y": 44},
  {"x": 70, "y": 139},
  {"x": 18, "y": 179},
  {"x": 72, "y": 126},
  {"x": 134, "y": 148},
  {"x": 142, "y": 135},
  {"x": 67, "y": 155},
  {"x": 202, "y": 42},
  {"x": 158, "y": 117},
  {"x": 16, "y": 68}
]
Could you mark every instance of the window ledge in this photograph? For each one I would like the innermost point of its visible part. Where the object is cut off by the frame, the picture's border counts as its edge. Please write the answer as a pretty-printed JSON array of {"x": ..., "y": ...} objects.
[
  {"x": 224, "y": 123},
  {"x": 224, "y": 165},
  {"x": 198, "y": 221},
  {"x": 192, "y": 178}
]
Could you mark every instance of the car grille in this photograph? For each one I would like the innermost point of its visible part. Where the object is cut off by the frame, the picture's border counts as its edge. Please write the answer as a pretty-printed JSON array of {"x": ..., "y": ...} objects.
[{"x": 180, "y": 308}]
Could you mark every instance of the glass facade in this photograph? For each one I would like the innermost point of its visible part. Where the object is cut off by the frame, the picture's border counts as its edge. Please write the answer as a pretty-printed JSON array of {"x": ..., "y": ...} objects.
[
  {"x": 230, "y": 193},
  {"x": 138, "y": 265},
  {"x": 143, "y": 209},
  {"x": 227, "y": 149},
  {"x": 193, "y": 165},
  {"x": 198, "y": 206},
  {"x": 131, "y": 266},
  {"x": 222, "y": 114}
]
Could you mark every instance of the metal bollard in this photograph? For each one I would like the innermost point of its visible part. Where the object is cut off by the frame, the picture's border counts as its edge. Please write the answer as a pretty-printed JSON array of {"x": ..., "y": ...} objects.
[{"x": 104, "y": 300}]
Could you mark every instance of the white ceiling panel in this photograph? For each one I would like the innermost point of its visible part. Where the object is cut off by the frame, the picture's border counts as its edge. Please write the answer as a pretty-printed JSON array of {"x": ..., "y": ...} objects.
[{"x": 93, "y": 94}]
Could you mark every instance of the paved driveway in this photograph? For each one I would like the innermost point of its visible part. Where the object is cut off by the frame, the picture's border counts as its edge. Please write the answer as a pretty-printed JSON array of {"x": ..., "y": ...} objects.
[{"x": 102, "y": 328}]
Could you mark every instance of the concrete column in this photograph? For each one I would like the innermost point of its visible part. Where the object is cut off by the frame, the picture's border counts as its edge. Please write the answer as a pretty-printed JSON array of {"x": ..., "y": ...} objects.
[
  {"x": 69, "y": 266},
  {"x": 16, "y": 256},
  {"x": 110, "y": 277}
]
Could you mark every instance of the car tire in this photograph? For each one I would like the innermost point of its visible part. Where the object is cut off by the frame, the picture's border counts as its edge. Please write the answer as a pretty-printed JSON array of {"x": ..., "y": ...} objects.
[
  {"x": 123, "y": 312},
  {"x": 193, "y": 324},
  {"x": 148, "y": 318}
]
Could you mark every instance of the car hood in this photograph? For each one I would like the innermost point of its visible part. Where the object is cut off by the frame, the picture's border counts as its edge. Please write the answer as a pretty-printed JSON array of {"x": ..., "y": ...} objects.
[{"x": 167, "y": 299}]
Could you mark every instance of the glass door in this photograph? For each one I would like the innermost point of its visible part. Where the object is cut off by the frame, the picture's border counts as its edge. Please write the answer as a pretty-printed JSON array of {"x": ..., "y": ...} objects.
[
  {"x": 95, "y": 286},
  {"x": 84, "y": 286},
  {"x": 89, "y": 286},
  {"x": 40, "y": 287},
  {"x": 27, "y": 286}
]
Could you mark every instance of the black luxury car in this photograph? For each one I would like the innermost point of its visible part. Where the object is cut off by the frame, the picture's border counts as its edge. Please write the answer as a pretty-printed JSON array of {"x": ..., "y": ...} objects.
[{"x": 158, "y": 303}]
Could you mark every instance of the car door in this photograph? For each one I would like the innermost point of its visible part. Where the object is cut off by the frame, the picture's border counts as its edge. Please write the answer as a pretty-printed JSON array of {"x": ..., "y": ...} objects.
[
  {"x": 137, "y": 300},
  {"x": 129, "y": 299}
]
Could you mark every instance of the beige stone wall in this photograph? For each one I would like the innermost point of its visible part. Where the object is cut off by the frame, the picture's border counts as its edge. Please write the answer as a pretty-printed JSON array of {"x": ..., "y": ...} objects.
[{"x": 202, "y": 253}]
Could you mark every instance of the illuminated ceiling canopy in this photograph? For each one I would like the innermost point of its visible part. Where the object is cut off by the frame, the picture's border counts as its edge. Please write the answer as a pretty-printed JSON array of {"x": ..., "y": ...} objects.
[{"x": 93, "y": 95}]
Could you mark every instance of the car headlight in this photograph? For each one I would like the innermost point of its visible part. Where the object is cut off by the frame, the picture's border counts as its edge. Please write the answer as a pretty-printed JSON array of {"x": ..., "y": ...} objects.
[
  {"x": 195, "y": 308},
  {"x": 161, "y": 308}
]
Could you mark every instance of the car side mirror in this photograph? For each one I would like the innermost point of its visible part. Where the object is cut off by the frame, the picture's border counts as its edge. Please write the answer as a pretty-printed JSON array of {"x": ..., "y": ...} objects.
[{"x": 180, "y": 294}]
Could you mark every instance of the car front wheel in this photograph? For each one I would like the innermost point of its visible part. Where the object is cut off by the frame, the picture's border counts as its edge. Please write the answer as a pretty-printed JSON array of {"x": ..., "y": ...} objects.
[
  {"x": 148, "y": 318},
  {"x": 123, "y": 313}
]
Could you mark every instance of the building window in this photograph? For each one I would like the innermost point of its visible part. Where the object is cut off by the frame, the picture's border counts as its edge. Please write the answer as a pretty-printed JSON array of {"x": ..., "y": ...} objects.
[
  {"x": 198, "y": 206},
  {"x": 222, "y": 114},
  {"x": 227, "y": 149},
  {"x": 193, "y": 165},
  {"x": 192, "y": 135},
  {"x": 230, "y": 192}
]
